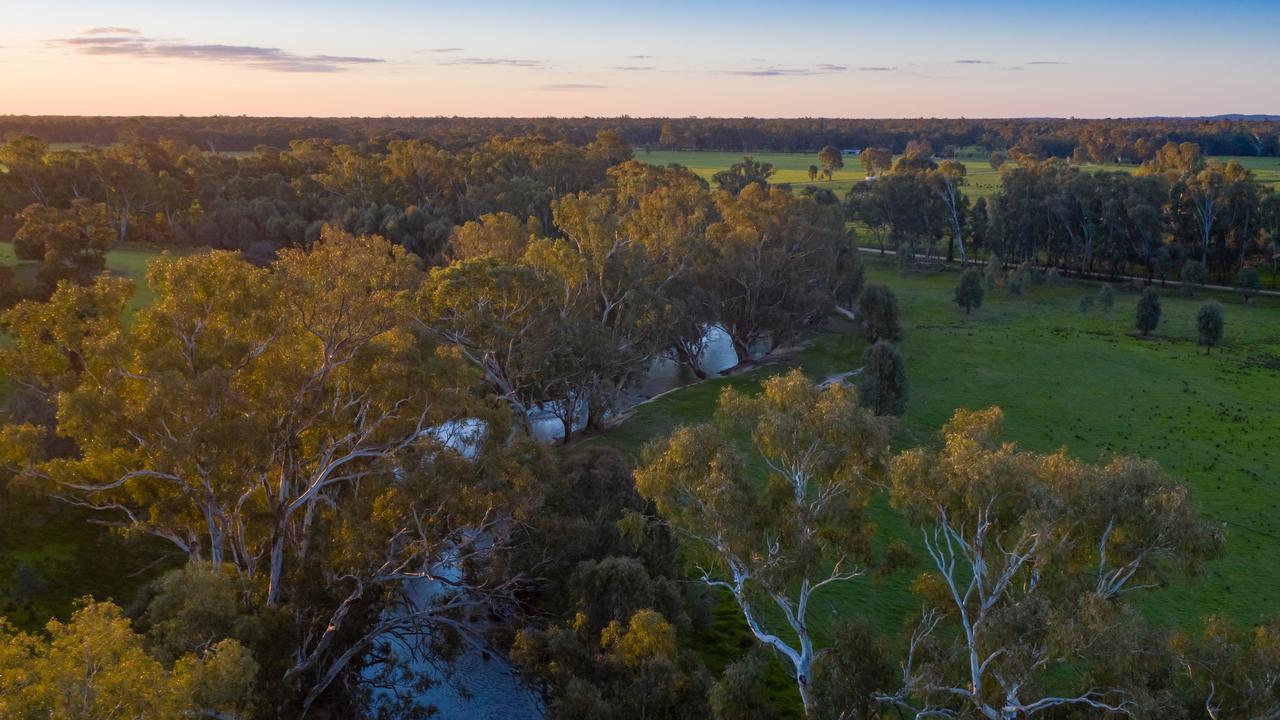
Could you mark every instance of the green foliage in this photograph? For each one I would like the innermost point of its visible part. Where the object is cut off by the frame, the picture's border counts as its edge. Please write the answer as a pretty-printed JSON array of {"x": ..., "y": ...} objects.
[
  {"x": 859, "y": 664},
  {"x": 823, "y": 451},
  {"x": 1148, "y": 311},
  {"x": 831, "y": 160},
  {"x": 633, "y": 670},
  {"x": 69, "y": 244},
  {"x": 993, "y": 273},
  {"x": 1106, "y": 296},
  {"x": 1248, "y": 283},
  {"x": 95, "y": 666},
  {"x": 1193, "y": 274},
  {"x": 740, "y": 175},
  {"x": 741, "y": 693},
  {"x": 994, "y": 514},
  {"x": 969, "y": 291},
  {"x": 1014, "y": 283},
  {"x": 1209, "y": 325},
  {"x": 878, "y": 311},
  {"x": 1230, "y": 668},
  {"x": 1086, "y": 304},
  {"x": 883, "y": 385}
]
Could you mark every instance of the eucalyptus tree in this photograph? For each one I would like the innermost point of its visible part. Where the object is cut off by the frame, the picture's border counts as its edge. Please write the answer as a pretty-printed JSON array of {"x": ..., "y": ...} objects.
[
  {"x": 831, "y": 160},
  {"x": 743, "y": 174},
  {"x": 875, "y": 160},
  {"x": 95, "y": 666},
  {"x": 498, "y": 235},
  {"x": 805, "y": 532},
  {"x": 69, "y": 243},
  {"x": 1034, "y": 558},
  {"x": 281, "y": 422},
  {"x": 771, "y": 265},
  {"x": 946, "y": 182}
]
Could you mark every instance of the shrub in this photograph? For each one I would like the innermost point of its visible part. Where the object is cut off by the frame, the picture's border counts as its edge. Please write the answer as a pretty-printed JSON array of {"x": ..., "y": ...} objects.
[
  {"x": 1210, "y": 324},
  {"x": 1106, "y": 296},
  {"x": 883, "y": 385},
  {"x": 1148, "y": 314},
  {"x": 878, "y": 308},
  {"x": 1086, "y": 304},
  {"x": 993, "y": 272},
  {"x": 969, "y": 291},
  {"x": 1194, "y": 274},
  {"x": 1248, "y": 283}
]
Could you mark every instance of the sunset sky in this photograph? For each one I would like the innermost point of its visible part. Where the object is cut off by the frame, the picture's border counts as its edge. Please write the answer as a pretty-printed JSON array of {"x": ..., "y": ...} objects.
[{"x": 658, "y": 58}]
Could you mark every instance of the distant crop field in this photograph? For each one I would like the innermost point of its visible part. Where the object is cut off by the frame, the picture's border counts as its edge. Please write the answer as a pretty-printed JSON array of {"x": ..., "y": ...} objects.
[{"x": 981, "y": 181}]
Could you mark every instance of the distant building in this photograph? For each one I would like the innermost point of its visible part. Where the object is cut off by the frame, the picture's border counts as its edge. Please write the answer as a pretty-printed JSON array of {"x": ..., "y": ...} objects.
[{"x": 851, "y": 151}]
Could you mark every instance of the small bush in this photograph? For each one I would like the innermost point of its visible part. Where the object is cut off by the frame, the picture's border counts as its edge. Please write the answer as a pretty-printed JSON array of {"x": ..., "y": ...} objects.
[
  {"x": 1106, "y": 296},
  {"x": 969, "y": 291},
  {"x": 1248, "y": 283},
  {"x": 1148, "y": 313},
  {"x": 993, "y": 272},
  {"x": 1086, "y": 304},
  {"x": 1015, "y": 284},
  {"x": 1194, "y": 275},
  {"x": 1210, "y": 324}
]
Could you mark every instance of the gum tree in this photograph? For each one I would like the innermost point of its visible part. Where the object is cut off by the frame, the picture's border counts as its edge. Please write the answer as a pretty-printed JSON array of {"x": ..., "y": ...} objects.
[
  {"x": 805, "y": 531},
  {"x": 1034, "y": 558}
]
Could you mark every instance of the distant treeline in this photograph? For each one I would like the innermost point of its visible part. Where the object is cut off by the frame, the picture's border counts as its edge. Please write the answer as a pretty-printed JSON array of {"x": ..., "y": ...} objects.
[{"x": 1131, "y": 140}]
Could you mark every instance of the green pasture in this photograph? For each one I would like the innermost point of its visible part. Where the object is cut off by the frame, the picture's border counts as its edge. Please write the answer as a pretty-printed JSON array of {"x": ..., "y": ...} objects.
[
  {"x": 1064, "y": 380},
  {"x": 981, "y": 180}
]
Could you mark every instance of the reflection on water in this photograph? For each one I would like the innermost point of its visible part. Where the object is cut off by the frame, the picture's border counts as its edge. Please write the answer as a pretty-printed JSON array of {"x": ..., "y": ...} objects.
[
  {"x": 480, "y": 683},
  {"x": 483, "y": 684},
  {"x": 665, "y": 374}
]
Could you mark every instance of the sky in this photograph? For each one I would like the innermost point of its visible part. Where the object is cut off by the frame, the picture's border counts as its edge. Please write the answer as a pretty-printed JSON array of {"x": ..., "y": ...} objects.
[{"x": 763, "y": 58}]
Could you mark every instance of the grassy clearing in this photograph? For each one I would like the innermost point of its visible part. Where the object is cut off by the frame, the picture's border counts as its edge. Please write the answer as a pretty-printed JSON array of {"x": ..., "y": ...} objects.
[
  {"x": 982, "y": 180},
  {"x": 1064, "y": 380},
  {"x": 129, "y": 261}
]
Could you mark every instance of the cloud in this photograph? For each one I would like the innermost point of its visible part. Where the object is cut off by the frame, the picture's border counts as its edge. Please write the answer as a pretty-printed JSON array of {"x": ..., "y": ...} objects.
[
  {"x": 127, "y": 43},
  {"x": 443, "y": 50},
  {"x": 641, "y": 57},
  {"x": 878, "y": 68},
  {"x": 1046, "y": 62},
  {"x": 775, "y": 71},
  {"x": 504, "y": 62},
  {"x": 633, "y": 68},
  {"x": 111, "y": 30},
  {"x": 571, "y": 86},
  {"x": 972, "y": 62}
]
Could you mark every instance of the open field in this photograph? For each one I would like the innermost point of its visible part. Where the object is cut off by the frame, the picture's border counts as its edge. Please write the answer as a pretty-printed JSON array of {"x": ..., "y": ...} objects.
[
  {"x": 79, "y": 147},
  {"x": 1073, "y": 381},
  {"x": 129, "y": 261},
  {"x": 793, "y": 168}
]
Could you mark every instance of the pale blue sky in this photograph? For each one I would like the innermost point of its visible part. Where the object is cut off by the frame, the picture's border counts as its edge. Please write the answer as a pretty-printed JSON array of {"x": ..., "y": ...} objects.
[{"x": 851, "y": 58}]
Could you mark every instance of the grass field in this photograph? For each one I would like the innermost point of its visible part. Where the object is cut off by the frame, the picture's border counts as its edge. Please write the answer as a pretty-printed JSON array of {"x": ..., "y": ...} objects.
[
  {"x": 1065, "y": 380},
  {"x": 981, "y": 180},
  {"x": 129, "y": 261}
]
